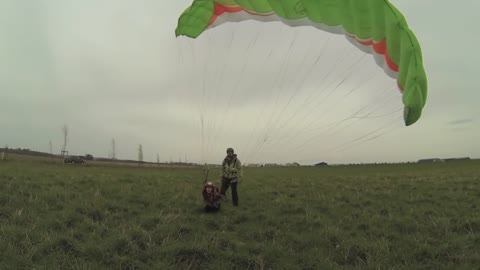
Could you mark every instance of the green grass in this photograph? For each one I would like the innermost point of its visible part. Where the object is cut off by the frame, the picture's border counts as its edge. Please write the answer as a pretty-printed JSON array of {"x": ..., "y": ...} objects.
[{"x": 55, "y": 216}]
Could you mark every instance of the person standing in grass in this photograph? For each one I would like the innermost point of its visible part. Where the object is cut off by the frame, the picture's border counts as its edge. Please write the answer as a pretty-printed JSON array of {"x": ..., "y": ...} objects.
[
  {"x": 231, "y": 172},
  {"x": 212, "y": 197}
]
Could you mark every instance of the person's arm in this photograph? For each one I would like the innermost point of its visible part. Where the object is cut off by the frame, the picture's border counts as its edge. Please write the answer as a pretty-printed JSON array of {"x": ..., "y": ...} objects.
[
  {"x": 219, "y": 197},
  {"x": 238, "y": 166}
]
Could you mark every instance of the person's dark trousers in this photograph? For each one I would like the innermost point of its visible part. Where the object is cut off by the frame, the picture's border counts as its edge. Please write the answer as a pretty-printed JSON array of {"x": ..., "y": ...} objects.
[
  {"x": 226, "y": 183},
  {"x": 211, "y": 208}
]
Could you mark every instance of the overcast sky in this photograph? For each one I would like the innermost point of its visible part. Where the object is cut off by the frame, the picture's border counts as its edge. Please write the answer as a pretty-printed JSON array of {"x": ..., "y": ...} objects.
[{"x": 114, "y": 69}]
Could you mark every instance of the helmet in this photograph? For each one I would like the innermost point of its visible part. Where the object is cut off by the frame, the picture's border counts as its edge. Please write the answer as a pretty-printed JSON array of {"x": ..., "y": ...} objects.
[
  {"x": 209, "y": 184},
  {"x": 230, "y": 150}
]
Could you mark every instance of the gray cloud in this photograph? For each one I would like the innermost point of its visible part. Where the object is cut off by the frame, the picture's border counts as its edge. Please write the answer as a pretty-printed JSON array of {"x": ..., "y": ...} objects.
[{"x": 114, "y": 69}]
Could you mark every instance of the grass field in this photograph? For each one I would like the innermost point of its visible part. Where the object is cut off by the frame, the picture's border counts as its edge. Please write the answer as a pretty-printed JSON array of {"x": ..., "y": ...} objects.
[{"x": 412, "y": 216}]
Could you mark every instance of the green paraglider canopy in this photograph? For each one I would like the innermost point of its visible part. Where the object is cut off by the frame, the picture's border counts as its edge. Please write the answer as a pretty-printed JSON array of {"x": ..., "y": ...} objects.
[{"x": 374, "y": 26}]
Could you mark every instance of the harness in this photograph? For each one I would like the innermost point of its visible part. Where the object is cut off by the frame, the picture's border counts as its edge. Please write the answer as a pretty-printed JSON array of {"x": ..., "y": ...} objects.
[
  {"x": 213, "y": 197},
  {"x": 229, "y": 170}
]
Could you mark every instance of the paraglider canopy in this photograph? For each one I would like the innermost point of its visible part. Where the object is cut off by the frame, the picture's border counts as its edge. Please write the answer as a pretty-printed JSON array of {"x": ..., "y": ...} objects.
[{"x": 374, "y": 26}]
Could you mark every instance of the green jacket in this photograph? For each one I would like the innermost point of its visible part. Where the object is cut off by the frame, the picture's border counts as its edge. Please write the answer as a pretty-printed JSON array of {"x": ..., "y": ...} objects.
[{"x": 232, "y": 168}]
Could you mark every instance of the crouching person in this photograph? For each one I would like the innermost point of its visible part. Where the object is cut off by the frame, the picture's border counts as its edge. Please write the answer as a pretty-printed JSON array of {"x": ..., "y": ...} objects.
[{"x": 212, "y": 197}]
